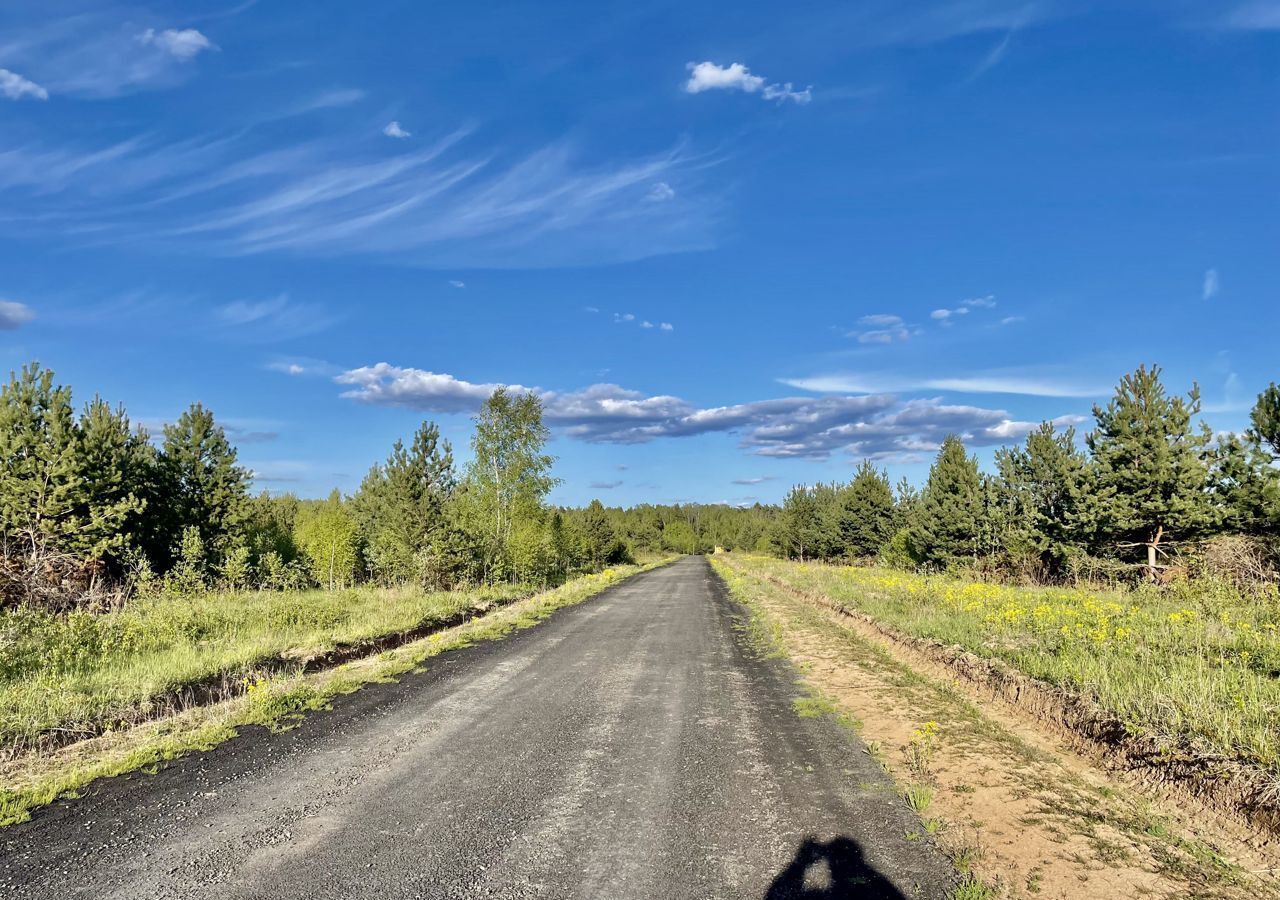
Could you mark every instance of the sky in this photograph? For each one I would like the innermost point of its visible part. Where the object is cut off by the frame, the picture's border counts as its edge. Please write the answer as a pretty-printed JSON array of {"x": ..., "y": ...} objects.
[{"x": 733, "y": 247}]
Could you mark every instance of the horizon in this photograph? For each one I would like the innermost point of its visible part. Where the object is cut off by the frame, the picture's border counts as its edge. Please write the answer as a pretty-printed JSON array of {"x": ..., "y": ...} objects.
[{"x": 727, "y": 262}]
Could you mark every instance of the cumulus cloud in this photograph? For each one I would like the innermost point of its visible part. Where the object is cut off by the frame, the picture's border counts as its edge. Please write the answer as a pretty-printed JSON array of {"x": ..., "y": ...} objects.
[
  {"x": 884, "y": 329},
  {"x": 394, "y": 130},
  {"x": 708, "y": 76},
  {"x": 666, "y": 326},
  {"x": 457, "y": 284},
  {"x": 15, "y": 87},
  {"x": 1211, "y": 285},
  {"x": 184, "y": 43},
  {"x": 807, "y": 427},
  {"x": 14, "y": 315}
]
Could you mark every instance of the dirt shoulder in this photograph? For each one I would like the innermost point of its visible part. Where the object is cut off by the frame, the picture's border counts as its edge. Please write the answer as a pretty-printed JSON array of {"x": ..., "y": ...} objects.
[{"x": 1011, "y": 802}]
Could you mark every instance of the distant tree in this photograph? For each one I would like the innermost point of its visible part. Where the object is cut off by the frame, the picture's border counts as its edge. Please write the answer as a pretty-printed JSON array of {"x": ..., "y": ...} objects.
[
  {"x": 203, "y": 485},
  {"x": 867, "y": 517},
  {"x": 191, "y": 572},
  {"x": 948, "y": 522},
  {"x": 1151, "y": 485},
  {"x": 1044, "y": 486},
  {"x": 269, "y": 527},
  {"x": 116, "y": 464},
  {"x": 510, "y": 472},
  {"x": 601, "y": 542},
  {"x": 326, "y": 534},
  {"x": 800, "y": 525},
  {"x": 401, "y": 503}
]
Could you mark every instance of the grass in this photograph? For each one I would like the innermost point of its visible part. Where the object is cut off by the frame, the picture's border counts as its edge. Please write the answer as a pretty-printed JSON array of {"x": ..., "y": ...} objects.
[
  {"x": 1195, "y": 660},
  {"x": 37, "y": 779},
  {"x": 63, "y": 677}
]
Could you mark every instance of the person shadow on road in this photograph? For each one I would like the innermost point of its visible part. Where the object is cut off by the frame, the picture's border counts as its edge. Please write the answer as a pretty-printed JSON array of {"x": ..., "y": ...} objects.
[{"x": 847, "y": 875}]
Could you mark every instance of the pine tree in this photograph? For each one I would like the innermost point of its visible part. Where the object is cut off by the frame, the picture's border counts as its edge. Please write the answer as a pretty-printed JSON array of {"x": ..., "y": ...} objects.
[
  {"x": 601, "y": 541},
  {"x": 42, "y": 485},
  {"x": 867, "y": 518},
  {"x": 1244, "y": 485},
  {"x": 800, "y": 530},
  {"x": 116, "y": 464},
  {"x": 1265, "y": 420},
  {"x": 401, "y": 503},
  {"x": 1043, "y": 486},
  {"x": 203, "y": 487},
  {"x": 947, "y": 525},
  {"x": 1151, "y": 480}
]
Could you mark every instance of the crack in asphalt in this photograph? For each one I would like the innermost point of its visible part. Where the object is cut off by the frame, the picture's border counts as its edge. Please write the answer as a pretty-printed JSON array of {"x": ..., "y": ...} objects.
[{"x": 631, "y": 746}]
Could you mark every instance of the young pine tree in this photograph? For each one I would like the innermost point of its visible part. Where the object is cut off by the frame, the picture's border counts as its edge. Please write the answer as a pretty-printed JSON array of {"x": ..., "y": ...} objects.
[
  {"x": 202, "y": 485},
  {"x": 1044, "y": 487},
  {"x": 948, "y": 522},
  {"x": 867, "y": 518},
  {"x": 1151, "y": 482},
  {"x": 401, "y": 503}
]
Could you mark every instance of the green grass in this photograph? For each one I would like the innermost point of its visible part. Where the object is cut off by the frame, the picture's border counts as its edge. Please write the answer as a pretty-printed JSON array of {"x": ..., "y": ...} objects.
[
  {"x": 78, "y": 675},
  {"x": 278, "y": 701},
  {"x": 1195, "y": 661}
]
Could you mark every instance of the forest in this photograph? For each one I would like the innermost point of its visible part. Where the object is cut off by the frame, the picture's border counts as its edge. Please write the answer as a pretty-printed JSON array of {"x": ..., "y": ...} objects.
[{"x": 95, "y": 509}]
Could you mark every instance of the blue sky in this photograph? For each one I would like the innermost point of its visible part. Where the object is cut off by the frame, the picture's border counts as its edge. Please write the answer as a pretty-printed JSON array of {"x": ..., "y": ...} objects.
[{"x": 734, "y": 246}]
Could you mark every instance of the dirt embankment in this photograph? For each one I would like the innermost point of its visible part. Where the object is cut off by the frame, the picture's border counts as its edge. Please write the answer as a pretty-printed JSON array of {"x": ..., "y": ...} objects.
[{"x": 1020, "y": 800}]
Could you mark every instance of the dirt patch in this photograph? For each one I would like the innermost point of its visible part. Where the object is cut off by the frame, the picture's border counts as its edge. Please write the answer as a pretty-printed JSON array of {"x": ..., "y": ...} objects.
[{"x": 1012, "y": 804}]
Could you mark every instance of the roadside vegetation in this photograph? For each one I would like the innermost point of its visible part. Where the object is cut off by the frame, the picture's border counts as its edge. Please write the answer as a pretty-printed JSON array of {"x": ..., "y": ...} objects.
[
  {"x": 276, "y": 698},
  {"x": 1186, "y": 662}
]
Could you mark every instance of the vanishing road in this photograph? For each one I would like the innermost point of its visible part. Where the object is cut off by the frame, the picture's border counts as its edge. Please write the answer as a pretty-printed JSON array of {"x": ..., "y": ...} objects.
[{"x": 631, "y": 746}]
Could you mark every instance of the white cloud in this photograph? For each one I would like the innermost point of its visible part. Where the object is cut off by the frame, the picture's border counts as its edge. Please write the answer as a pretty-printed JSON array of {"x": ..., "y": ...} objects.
[
  {"x": 438, "y": 205},
  {"x": 813, "y": 427},
  {"x": 946, "y": 315},
  {"x": 1211, "y": 285},
  {"x": 646, "y": 324},
  {"x": 329, "y": 100},
  {"x": 754, "y": 481},
  {"x": 393, "y": 130},
  {"x": 15, "y": 87},
  {"x": 781, "y": 92},
  {"x": 666, "y": 326},
  {"x": 457, "y": 284},
  {"x": 659, "y": 192},
  {"x": 183, "y": 44},
  {"x": 14, "y": 315},
  {"x": 604, "y": 485},
  {"x": 591, "y": 309},
  {"x": 276, "y": 319},
  {"x": 1012, "y": 320},
  {"x": 986, "y": 302},
  {"x": 1003, "y": 381},
  {"x": 98, "y": 53},
  {"x": 708, "y": 76},
  {"x": 881, "y": 320},
  {"x": 624, "y": 317}
]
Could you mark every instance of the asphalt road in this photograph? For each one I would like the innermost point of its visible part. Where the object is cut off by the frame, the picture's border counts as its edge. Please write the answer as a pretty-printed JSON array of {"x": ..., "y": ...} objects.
[{"x": 632, "y": 746}]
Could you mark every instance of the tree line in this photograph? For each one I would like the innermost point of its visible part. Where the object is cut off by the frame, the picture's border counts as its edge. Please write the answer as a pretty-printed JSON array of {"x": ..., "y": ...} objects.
[
  {"x": 91, "y": 504},
  {"x": 1148, "y": 487}
]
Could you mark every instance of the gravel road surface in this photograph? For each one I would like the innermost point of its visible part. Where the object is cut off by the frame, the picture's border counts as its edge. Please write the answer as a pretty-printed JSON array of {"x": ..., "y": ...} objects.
[{"x": 632, "y": 746}]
